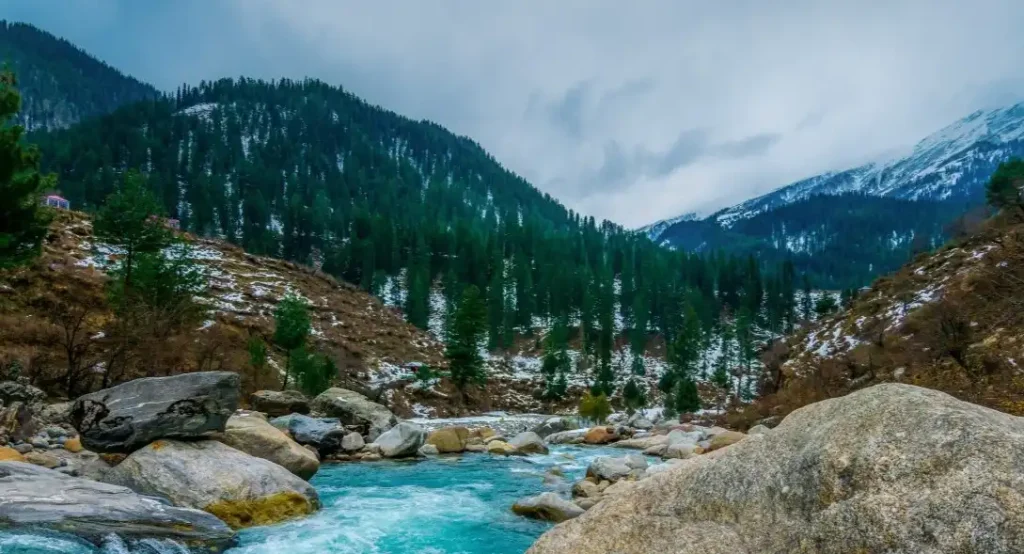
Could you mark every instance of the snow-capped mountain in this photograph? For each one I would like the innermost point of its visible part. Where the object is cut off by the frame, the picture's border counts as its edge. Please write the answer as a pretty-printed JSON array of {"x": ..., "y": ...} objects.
[
  {"x": 654, "y": 230},
  {"x": 952, "y": 164}
]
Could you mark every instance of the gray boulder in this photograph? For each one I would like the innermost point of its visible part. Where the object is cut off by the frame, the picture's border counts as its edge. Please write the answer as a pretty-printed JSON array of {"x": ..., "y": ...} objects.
[
  {"x": 891, "y": 468},
  {"x": 12, "y": 391},
  {"x": 403, "y": 440},
  {"x": 606, "y": 468},
  {"x": 553, "y": 425},
  {"x": 250, "y": 433},
  {"x": 528, "y": 442},
  {"x": 325, "y": 434},
  {"x": 276, "y": 403},
  {"x": 134, "y": 414},
  {"x": 352, "y": 442},
  {"x": 758, "y": 430},
  {"x": 355, "y": 409},
  {"x": 240, "y": 489},
  {"x": 574, "y": 436},
  {"x": 548, "y": 507},
  {"x": 35, "y": 499}
]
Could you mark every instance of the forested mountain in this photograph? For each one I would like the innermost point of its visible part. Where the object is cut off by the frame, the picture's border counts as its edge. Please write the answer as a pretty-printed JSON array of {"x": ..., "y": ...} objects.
[
  {"x": 61, "y": 84},
  {"x": 842, "y": 241},
  {"x": 950, "y": 167},
  {"x": 308, "y": 172}
]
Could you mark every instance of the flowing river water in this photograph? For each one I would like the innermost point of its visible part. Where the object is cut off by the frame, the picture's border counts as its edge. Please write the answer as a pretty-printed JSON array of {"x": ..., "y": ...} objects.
[{"x": 441, "y": 505}]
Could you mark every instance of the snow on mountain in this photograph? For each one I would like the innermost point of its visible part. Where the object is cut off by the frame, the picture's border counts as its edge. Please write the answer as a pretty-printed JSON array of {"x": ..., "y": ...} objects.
[
  {"x": 654, "y": 230},
  {"x": 952, "y": 163}
]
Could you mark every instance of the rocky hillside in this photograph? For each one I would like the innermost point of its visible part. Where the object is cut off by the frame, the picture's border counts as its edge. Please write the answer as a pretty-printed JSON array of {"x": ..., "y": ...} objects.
[
  {"x": 370, "y": 343},
  {"x": 949, "y": 320}
]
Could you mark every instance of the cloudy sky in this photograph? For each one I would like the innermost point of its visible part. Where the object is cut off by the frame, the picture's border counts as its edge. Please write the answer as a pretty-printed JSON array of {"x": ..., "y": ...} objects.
[{"x": 631, "y": 111}]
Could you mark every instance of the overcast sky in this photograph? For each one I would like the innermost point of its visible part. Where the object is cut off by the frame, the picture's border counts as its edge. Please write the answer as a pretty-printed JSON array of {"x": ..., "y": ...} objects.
[{"x": 630, "y": 111}]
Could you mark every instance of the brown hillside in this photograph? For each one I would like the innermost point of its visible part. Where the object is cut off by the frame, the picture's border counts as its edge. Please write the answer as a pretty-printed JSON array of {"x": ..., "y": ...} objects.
[
  {"x": 56, "y": 307},
  {"x": 951, "y": 320}
]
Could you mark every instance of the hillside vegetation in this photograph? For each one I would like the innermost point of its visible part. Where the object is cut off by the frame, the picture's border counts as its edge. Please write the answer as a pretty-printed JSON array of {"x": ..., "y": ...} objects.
[{"x": 950, "y": 320}]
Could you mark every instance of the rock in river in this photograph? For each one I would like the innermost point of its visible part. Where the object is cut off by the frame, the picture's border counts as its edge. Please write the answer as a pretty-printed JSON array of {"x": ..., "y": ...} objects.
[
  {"x": 133, "y": 414},
  {"x": 403, "y": 440},
  {"x": 325, "y": 434},
  {"x": 276, "y": 403},
  {"x": 250, "y": 433},
  {"x": 528, "y": 442},
  {"x": 353, "y": 408},
  {"x": 547, "y": 506},
  {"x": 891, "y": 468},
  {"x": 37, "y": 499},
  {"x": 240, "y": 489}
]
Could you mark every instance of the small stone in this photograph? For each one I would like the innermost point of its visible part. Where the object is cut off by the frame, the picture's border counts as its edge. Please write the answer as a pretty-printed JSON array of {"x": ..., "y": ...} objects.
[
  {"x": 600, "y": 435},
  {"x": 352, "y": 442},
  {"x": 40, "y": 442},
  {"x": 758, "y": 430},
  {"x": 500, "y": 448},
  {"x": 55, "y": 432},
  {"x": 428, "y": 450},
  {"x": 548, "y": 507},
  {"x": 476, "y": 448},
  {"x": 23, "y": 448},
  {"x": 529, "y": 443},
  {"x": 727, "y": 438},
  {"x": 43, "y": 459}
]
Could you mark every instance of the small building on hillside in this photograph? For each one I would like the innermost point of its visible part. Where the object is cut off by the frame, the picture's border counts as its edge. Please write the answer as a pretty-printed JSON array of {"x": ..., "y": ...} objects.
[{"x": 54, "y": 201}]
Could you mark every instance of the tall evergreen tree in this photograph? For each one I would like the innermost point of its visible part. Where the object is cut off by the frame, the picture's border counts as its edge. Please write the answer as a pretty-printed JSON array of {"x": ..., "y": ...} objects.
[
  {"x": 465, "y": 336},
  {"x": 22, "y": 226},
  {"x": 291, "y": 328}
]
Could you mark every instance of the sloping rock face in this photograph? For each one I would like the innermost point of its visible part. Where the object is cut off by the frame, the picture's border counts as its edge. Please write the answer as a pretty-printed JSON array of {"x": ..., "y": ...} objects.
[
  {"x": 250, "y": 433},
  {"x": 353, "y": 408},
  {"x": 37, "y": 499},
  {"x": 133, "y": 414},
  {"x": 276, "y": 403},
  {"x": 240, "y": 489},
  {"x": 892, "y": 468},
  {"x": 547, "y": 506}
]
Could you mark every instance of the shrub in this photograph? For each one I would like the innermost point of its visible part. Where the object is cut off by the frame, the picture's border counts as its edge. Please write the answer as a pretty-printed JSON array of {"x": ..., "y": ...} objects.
[{"x": 595, "y": 408}]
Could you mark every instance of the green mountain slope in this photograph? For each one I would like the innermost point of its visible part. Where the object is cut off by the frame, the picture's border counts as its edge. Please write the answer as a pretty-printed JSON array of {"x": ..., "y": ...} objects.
[{"x": 61, "y": 84}]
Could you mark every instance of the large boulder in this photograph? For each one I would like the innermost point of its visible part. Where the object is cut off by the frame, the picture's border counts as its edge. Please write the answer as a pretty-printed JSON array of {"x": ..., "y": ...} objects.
[
  {"x": 355, "y": 409},
  {"x": 891, "y": 468},
  {"x": 548, "y": 507},
  {"x": 606, "y": 468},
  {"x": 500, "y": 448},
  {"x": 528, "y": 442},
  {"x": 134, "y": 414},
  {"x": 240, "y": 489},
  {"x": 325, "y": 434},
  {"x": 574, "y": 436},
  {"x": 252, "y": 434},
  {"x": 37, "y": 499},
  {"x": 643, "y": 443},
  {"x": 553, "y": 425},
  {"x": 600, "y": 435},
  {"x": 721, "y": 440},
  {"x": 276, "y": 403},
  {"x": 402, "y": 440},
  {"x": 449, "y": 439}
]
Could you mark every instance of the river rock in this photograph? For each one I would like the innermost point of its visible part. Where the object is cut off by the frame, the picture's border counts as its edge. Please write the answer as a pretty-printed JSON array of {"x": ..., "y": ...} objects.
[
  {"x": 500, "y": 448},
  {"x": 681, "y": 450},
  {"x": 643, "y": 443},
  {"x": 721, "y": 440},
  {"x": 528, "y": 442},
  {"x": 325, "y": 434},
  {"x": 17, "y": 422},
  {"x": 401, "y": 441},
  {"x": 252, "y": 434},
  {"x": 449, "y": 439},
  {"x": 42, "y": 459},
  {"x": 240, "y": 489},
  {"x": 33, "y": 498},
  {"x": 355, "y": 409},
  {"x": 606, "y": 468},
  {"x": 600, "y": 435},
  {"x": 890, "y": 468},
  {"x": 277, "y": 403},
  {"x": 9, "y": 454},
  {"x": 428, "y": 450},
  {"x": 548, "y": 507},
  {"x": 352, "y": 442},
  {"x": 133, "y": 414},
  {"x": 553, "y": 425},
  {"x": 12, "y": 391},
  {"x": 567, "y": 437}
]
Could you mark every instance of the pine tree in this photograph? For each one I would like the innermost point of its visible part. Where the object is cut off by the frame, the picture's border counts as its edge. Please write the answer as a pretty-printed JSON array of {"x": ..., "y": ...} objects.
[
  {"x": 633, "y": 397},
  {"x": 685, "y": 397},
  {"x": 1003, "y": 190},
  {"x": 22, "y": 224},
  {"x": 555, "y": 363},
  {"x": 291, "y": 328},
  {"x": 130, "y": 220},
  {"x": 465, "y": 335}
]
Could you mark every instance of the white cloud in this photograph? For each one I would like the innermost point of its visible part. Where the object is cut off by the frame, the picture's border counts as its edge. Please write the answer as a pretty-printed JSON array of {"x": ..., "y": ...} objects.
[{"x": 626, "y": 111}]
